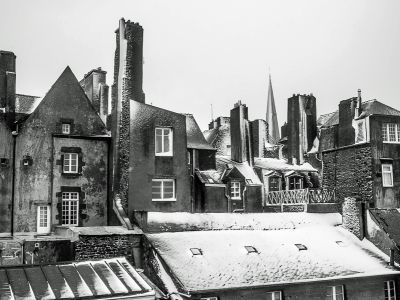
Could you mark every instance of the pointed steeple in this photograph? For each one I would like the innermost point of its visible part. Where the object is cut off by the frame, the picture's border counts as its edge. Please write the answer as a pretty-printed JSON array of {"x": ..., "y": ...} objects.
[{"x": 272, "y": 119}]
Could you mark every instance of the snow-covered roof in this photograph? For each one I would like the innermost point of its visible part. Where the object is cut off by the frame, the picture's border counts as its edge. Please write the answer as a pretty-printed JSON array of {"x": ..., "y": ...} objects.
[
  {"x": 244, "y": 168},
  {"x": 25, "y": 104},
  {"x": 331, "y": 253},
  {"x": 281, "y": 165},
  {"x": 209, "y": 176},
  {"x": 182, "y": 221},
  {"x": 87, "y": 279}
]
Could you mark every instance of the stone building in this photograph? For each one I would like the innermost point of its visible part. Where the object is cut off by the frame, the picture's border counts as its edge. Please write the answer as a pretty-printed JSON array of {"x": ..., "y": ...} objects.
[{"x": 360, "y": 144}]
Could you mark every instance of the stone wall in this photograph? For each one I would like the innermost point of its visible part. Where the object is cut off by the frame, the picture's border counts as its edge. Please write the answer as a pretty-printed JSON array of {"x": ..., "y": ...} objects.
[
  {"x": 348, "y": 171},
  {"x": 107, "y": 246},
  {"x": 352, "y": 216}
]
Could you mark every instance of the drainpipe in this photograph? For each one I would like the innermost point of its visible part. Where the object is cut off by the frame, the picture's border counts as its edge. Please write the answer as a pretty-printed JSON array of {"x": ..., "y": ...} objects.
[
  {"x": 228, "y": 199},
  {"x": 244, "y": 200},
  {"x": 14, "y": 135}
]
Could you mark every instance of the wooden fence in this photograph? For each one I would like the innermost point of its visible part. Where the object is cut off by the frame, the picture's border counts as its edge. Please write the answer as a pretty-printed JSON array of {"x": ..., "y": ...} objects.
[{"x": 302, "y": 196}]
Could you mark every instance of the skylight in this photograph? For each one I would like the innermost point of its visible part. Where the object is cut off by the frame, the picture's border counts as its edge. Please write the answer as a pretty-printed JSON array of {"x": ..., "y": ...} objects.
[
  {"x": 340, "y": 243},
  {"x": 251, "y": 249},
  {"x": 196, "y": 251},
  {"x": 301, "y": 247}
]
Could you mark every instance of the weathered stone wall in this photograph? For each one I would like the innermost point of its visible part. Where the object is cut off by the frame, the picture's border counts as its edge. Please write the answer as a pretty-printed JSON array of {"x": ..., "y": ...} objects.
[
  {"x": 349, "y": 171},
  {"x": 109, "y": 246},
  {"x": 328, "y": 138},
  {"x": 352, "y": 216}
]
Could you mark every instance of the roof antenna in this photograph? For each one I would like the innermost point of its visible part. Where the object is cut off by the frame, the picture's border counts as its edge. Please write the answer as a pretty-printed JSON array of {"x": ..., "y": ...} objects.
[{"x": 212, "y": 113}]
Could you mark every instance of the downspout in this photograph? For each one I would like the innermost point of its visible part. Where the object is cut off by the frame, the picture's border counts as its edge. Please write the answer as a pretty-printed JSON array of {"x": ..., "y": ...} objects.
[
  {"x": 14, "y": 135},
  {"x": 244, "y": 200},
  {"x": 228, "y": 199}
]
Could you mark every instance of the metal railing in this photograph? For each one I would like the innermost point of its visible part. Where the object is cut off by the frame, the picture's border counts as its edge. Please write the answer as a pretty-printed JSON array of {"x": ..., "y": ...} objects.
[{"x": 301, "y": 196}]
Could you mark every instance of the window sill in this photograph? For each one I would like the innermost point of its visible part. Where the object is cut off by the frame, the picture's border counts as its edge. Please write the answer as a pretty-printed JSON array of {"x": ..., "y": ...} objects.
[
  {"x": 164, "y": 200},
  {"x": 236, "y": 198},
  {"x": 387, "y": 142},
  {"x": 165, "y": 154},
  {"x": 387, "y": 186}
]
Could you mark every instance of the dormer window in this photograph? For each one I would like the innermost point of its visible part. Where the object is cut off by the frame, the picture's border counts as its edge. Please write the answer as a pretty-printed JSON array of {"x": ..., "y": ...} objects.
[
  {"x": 66, "y": 128},
  {"x": 235, "y": 190},
  {"x": 163, "y": 142}
]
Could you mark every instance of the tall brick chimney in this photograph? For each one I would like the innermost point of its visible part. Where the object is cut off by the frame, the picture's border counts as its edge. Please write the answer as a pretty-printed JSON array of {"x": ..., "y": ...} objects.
[
  {"x": 7, "y": 86},
  {"x": 301, "y": 127},
  {"x": 95, "y": 87},
  {"x": 240, "y": 134}
]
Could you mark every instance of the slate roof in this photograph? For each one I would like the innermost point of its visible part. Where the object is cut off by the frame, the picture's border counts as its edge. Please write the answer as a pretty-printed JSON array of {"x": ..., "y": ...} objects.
[
  {"x": 371, "y": 107},
  {"x": 25, "y": 104},
  {"x": 225, "y": 263},
  {"x": 76, "y": 280},
  {"x": 388, "y": 220},
  {"x": 195, "y": 138},
  {"x": 209, "y": 176},
  {"x": 281, "y": 165},
  {"x": 244, "y": 168},
  {"x": 219, "y": 137}
]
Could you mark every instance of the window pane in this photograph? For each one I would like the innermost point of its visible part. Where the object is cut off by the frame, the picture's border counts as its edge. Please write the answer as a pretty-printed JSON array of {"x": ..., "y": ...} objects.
[
  {"x": 392, "y": 132},
  {"x": 384, "y": 132},
  {"x": 166, "y": 143},
  {"x": 269, "y": 296},
  {"x": 277, "y": 296},
  {"x": 159, "y": 144}
]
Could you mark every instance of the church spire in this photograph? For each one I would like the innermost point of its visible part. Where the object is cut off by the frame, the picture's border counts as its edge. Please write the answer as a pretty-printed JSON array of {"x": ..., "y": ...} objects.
[{"x": 272, "y": 119}]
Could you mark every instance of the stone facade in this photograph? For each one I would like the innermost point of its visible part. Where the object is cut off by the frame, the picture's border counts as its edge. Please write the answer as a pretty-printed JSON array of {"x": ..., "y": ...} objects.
[{"x": 352, "y": 213}]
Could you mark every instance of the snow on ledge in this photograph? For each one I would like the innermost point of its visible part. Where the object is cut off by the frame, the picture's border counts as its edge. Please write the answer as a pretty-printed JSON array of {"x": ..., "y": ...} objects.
[{"x": 182, "y": 221}]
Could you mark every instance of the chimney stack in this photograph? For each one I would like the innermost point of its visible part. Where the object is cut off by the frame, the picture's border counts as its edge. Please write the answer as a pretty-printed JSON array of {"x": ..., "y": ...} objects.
[
  {"x": 358, "y": 110},
  {"x": 8, "y": 86},
  {"x": 95, "y": 87},
  {"x": 240, "y": 134}
]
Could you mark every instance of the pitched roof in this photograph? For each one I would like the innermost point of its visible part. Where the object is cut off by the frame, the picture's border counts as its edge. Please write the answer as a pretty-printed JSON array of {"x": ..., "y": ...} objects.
[
  {"x": 209, "y": 176},
  {"x": 281, "y": 165},
  {"x": 66, "y": 99},
  {"x": 324, "y": 118},
  {"x": 195, "y": 138},
  {"x": 244, "y": 168},
  {"x": 371, "y": 107},
  {"x": 225, "y": 263},
  {"x": 219, "y": 137},
  {"x": 388, "y": 220},
  {"x": 76, "y": 280}
]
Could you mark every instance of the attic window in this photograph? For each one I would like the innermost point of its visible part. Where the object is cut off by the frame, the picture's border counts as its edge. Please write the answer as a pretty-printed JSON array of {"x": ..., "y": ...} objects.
[
  {"x": 301, "y": 247},
  {"x": 3, "y": 162},
  {"x": 251, "y": 249},
  {"x": 66, "y": 128},
  {"x": 340, "y": 243},
  {"x": 196, "y": 251}
]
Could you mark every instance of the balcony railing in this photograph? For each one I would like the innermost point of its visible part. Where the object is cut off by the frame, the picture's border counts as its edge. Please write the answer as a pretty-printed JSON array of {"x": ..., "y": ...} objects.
[{"x": 301, "y": 196}]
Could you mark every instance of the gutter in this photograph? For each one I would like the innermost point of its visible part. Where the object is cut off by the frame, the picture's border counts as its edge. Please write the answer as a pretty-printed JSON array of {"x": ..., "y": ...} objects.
[{"x": 14, "y": 135}]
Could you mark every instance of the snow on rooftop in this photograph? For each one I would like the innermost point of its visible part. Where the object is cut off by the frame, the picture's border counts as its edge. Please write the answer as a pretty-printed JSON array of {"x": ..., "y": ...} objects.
[
  {"x": 281, "y": 165},
  {"x": 225, "y": 263},
  {"x": 182, "y": 221}
]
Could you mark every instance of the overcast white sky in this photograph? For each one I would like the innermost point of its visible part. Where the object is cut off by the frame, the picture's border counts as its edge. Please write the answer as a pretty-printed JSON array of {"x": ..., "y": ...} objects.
[{"x": 202, "y": 52}]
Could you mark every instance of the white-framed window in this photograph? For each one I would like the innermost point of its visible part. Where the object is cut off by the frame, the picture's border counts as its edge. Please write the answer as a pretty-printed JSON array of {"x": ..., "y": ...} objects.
[
  {"x": 391, "y": 132},
  {"x": 387, "y": 175},
  {"x": 276, "y": 295},
  {"x": 235, "y": 190},
  {"x": 295, "y": 183},
  {"x": 163, "y": 190},
  {"x": 70, "y": 208},
  {"x": 66, "y": 128},
  {"x": 335, "y": 292},
  {"x": 43, "y": 219},
  {"x": 390, "y": 290},
  {"x": 163, "y": 144},
  {"x": 70, "y": 163}
]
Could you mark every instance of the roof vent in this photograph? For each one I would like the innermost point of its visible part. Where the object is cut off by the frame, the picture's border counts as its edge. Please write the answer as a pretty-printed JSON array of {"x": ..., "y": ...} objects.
[
  {"x": 251, "y": 249},
  {"x": 301, "y": 247},
  {"x": 196, "y": 251}
]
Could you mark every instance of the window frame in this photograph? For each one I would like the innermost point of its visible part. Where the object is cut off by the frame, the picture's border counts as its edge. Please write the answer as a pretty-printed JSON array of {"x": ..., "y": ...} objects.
[
  {"x": 170, "y": 138},
  {"x": 387, "y": 290},
  {"x": 162, "y": 180},
  {"x": 64, "y": 126},
  {"x": 69, "y": 160},
  {"x": 235, "y": 189},
  {"x": 69, "y": 201},
  {"x": 386, "y": 132},
  {"x": 39, "y": 228},
  {"x": 387, "y": 172},
  {"x": 333, "y": 292},
  {"x": 297, "y": 179},
  {"x": 273, "y": 296}
]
